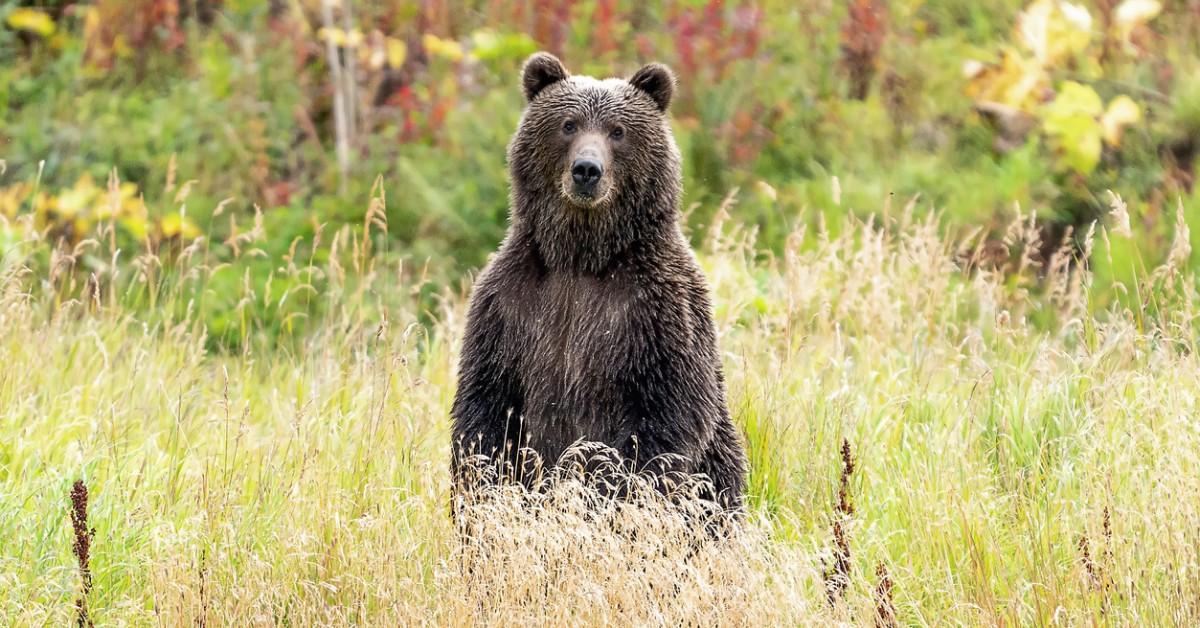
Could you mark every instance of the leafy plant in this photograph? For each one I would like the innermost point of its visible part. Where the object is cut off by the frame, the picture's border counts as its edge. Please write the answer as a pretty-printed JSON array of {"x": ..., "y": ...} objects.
[{"x": 1055, "y": 40}]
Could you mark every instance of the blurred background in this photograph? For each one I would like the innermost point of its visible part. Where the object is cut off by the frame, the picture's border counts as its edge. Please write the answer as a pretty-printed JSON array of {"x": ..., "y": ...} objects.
[{"x": 175, "y": 119}]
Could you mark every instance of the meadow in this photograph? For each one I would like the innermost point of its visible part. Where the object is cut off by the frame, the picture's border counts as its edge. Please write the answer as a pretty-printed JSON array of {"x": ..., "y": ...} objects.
[
  {"x": 950, "y": 245},
  {"x": 924, "y": 451}
]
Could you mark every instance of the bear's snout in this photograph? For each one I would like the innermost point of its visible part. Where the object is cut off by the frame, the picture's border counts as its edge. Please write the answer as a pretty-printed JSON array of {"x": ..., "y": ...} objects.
[
  {"x": 586, "y": 181},
  {"x": 586, "y": 173}
]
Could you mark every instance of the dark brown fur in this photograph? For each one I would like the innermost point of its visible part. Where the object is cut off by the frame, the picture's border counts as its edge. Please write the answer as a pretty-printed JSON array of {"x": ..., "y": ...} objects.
[{"x": 593, "y": 321}]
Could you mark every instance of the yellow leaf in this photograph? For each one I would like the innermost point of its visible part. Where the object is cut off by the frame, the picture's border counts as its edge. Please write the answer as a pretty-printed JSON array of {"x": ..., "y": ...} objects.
[
  {"x": 396, "y": 52},
  {"x": 1071, "y": 123},
  {"x": 121, "y": 47},
  {"x": 128, "y": 191},
  {"x": 135, "y": 225},
  {"x": 1076, "y": 15},
  {"x": 174, "y": 224},
  {"x": 1121, "y": 112},
  {"x": 31, "y": 21},
  {"x": 12, "y": 197},
  {"x": 1017, "y": 81},
  {"x": 446, "y": 48},
  {"x": 1132, "y": 14},
  {"x": 43, "y": 204},
  {"x": 1054, "y": 30},
  {"x": 339, "y": 37},
  {"x": 335, "y": 35},
  {"x": 77, "y": 200},
  {"x": 124, "y": 202},
  {"x": 79, "y": 227}
]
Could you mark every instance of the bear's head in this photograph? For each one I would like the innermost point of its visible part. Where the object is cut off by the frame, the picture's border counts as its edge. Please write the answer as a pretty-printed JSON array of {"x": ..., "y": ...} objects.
[{"x": 594, "y": 165}]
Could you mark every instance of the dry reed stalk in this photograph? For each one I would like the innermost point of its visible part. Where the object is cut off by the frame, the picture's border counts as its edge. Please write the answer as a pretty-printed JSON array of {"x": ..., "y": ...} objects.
[
  {"x": 837, "y": 575},
  {"x": 82, "y": 548},
  {"x": 885, "y": 609}
]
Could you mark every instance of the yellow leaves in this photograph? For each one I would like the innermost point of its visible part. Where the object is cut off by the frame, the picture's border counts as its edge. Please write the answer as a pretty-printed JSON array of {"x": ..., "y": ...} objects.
[
  {"x": 31, "y": 21},
  {"x": 176, "y": 224},
  {"x": 396, "y": 52},
  {"x": 341, "y": 38},
  {"x": 445, "y": 48},
  {"x": 1131, "y": 15},
  {"x": 1053, "y": 35},
  {"x": 1071, "y": 122},
  {"x": 1054, "y": 30},
  {"x": 75, "y": 211},
  {"x": 1050, "y": 32},
  {"x": 1077, "y": 122},
  {"x": 376, "y": 50},
  {"x": 106, "y": 36},
  {"x": 383, "y": 51},
  {"x": 12, "y": 198},
  {"x": 76, "y": 201},
  {"x": 1016, "y": 81},
  {"x": 1121, "y": 112},
  {"x": 137, "y": 225}
]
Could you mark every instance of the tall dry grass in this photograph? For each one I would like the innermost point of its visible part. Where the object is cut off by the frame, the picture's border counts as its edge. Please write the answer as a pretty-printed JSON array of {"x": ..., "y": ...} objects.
[{"x": 999, "y": 408}]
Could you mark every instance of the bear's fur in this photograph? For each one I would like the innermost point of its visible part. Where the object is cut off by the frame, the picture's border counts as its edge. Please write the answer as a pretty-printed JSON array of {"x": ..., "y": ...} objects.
[{"x": 593, "y": 321}]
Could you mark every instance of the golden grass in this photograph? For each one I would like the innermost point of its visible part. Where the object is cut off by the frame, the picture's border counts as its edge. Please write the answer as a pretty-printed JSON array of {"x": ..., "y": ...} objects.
[{"x": 1024, "y": 452}]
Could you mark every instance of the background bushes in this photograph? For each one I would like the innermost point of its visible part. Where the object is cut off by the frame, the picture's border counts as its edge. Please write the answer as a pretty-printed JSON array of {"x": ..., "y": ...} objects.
[{"x": 978, "y": 107}]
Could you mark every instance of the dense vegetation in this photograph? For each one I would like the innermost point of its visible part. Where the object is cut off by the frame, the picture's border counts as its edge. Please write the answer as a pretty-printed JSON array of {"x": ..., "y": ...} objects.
[
  {"x": 979, "y": 107},
  {"x": 921, "y": 451},
  {"x": 951, "y": 249}
]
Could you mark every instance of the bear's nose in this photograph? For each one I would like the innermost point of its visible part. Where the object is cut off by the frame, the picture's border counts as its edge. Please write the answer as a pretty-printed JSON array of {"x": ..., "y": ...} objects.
[{"x": 586, "y": 172}]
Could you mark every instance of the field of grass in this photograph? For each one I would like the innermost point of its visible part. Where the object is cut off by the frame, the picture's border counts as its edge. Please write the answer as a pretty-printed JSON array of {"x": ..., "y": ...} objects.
[
  {"x": 1023, "y": 450},
  {"x": 225, "y": 380}
]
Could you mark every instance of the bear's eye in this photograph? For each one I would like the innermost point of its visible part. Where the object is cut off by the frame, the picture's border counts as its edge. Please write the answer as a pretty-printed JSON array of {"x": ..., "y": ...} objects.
[
  {"x": 569, "y": 127},
  {"x": 617, "y": 133}
]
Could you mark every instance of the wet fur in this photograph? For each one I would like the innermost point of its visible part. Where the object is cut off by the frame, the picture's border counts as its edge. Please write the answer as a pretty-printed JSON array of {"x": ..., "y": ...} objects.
[{"x": 594, "y": 323}]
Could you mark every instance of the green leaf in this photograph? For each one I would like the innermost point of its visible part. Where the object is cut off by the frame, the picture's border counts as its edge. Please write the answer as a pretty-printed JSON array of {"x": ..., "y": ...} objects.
[
  {"x": 1072, "y": 123},
  {"x": 489, "y": 46}
]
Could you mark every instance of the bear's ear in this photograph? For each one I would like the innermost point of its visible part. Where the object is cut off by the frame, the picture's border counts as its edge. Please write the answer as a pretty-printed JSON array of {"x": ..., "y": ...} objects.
[
  {"x": 658, "y": 81},
  {"x": 541, "y": 70}
]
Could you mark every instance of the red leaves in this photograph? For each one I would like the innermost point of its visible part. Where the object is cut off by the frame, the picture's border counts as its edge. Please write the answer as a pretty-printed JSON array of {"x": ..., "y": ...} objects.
[
  {"x": 709, "y": 38},
  {"x": 863, "y": 34}
]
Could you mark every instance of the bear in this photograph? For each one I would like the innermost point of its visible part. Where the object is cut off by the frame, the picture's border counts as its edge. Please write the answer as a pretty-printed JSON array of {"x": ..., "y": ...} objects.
[{"x": 593, "y": 321}]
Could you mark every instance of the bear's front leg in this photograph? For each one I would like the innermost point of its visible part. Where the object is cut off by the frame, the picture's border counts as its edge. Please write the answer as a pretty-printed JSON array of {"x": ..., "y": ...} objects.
[
  {"x": 678, "y": 423},
  {"x": 673, "y": 390},
  {"x": 487, "y": 408}
]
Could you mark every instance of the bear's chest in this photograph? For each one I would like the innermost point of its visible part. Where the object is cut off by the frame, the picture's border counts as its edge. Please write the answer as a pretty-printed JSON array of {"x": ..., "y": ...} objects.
[{"x": 574, "y": 338}]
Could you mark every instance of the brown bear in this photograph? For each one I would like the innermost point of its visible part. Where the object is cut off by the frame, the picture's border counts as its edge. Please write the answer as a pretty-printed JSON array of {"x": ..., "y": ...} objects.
[{"x": 593, "y": 321}]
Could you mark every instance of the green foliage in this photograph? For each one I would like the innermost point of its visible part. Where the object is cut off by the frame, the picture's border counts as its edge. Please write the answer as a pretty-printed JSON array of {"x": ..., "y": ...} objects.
[
  {"x": 1070, "y": 121},
  {"x": 244, "y": 105}
]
